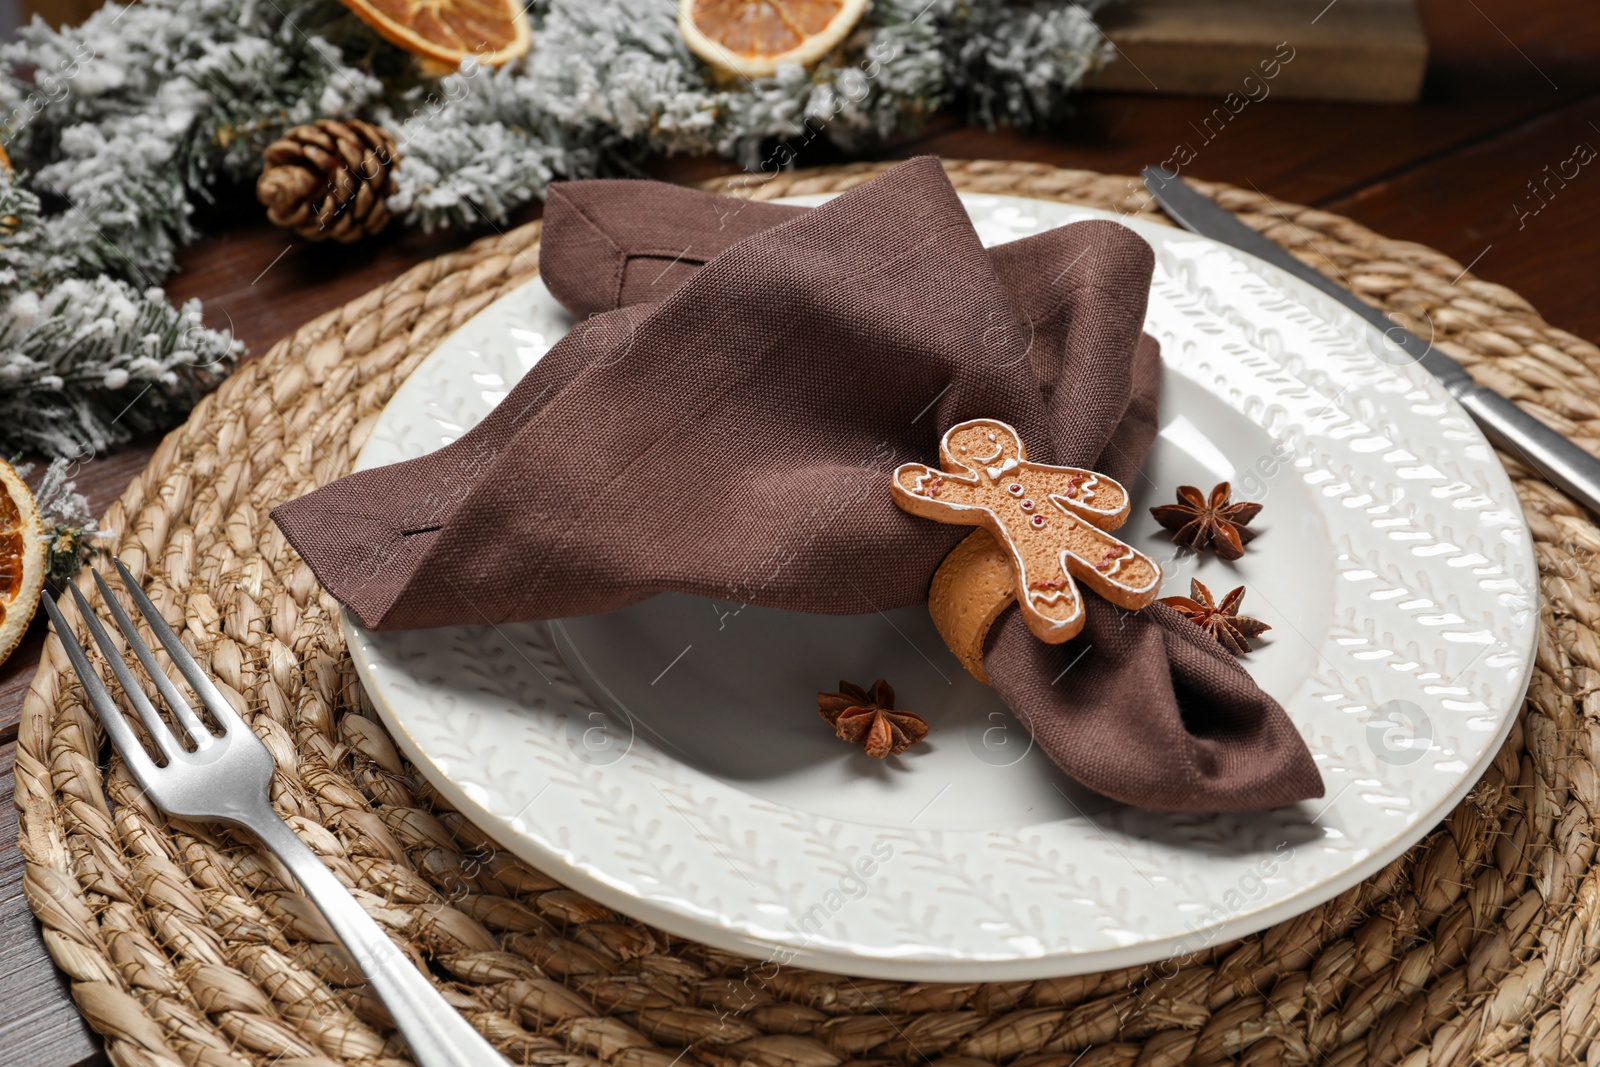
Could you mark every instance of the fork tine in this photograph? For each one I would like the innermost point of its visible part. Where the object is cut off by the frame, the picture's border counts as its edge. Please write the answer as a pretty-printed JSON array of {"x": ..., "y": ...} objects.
[
  {"x": 159, "y": 732},
  {"x": 197, "y": 730},
  {"x": 203, "y": 687},
  {"x": 138, "y": 761}
]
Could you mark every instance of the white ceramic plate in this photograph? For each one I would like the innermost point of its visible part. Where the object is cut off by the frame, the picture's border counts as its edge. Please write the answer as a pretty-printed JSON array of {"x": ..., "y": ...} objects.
[{"x": 668, "y": 759}]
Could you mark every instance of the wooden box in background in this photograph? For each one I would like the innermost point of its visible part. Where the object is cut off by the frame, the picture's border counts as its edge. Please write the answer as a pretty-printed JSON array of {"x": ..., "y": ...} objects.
[
  {"x": 60, "y": 13},
  {"x": 1364, "y": 50}
]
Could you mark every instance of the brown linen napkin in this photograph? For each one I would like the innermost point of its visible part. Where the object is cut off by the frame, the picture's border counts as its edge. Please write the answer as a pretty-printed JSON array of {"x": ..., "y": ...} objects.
[
  {"x": 733, "y": 439},
  {"x": 1159, "y": 711}
]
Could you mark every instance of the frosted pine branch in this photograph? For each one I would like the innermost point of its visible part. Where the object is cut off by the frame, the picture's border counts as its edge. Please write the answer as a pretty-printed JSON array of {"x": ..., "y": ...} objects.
[
  {"x": 124, "y": 121},
  {"x": 86, "y": 363},
  {"x": 607, "y": 83}
]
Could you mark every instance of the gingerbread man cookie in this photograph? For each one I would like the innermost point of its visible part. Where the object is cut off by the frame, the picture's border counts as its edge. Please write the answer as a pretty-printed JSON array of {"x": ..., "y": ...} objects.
[{"x": 1051, "y": 522}]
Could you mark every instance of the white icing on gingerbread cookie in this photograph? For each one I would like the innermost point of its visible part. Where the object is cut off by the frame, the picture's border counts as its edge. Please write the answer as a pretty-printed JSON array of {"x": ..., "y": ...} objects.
[{"x": 1051, "y": 552}]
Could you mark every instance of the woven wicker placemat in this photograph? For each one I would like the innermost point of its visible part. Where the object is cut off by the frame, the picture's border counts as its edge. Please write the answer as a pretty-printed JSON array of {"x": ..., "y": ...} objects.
[{"x": 188, "y": 945}]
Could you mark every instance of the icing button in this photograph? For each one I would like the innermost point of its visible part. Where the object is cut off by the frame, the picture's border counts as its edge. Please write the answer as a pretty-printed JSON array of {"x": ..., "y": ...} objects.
[{"x": 1037, "y": 520}]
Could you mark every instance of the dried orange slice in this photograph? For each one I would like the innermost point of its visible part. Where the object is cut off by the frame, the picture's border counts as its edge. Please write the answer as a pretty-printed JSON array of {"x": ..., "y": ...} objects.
[
  {"x": 751, "y": 37},
  {"x": 448, "y": 31},
  {"x": 22, "y": 558}
]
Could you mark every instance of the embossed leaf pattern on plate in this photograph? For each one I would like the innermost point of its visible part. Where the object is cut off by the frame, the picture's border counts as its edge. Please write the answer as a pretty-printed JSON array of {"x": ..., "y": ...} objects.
[{"x": 1415, "y": 544}]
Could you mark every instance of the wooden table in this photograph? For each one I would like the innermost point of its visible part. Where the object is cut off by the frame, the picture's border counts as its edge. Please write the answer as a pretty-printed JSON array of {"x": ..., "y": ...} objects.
[{"x": 1512, "y": 89}]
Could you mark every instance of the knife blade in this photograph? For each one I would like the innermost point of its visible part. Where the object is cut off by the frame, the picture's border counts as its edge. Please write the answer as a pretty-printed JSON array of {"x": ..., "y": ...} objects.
[{"x": 1566, "y": 465}]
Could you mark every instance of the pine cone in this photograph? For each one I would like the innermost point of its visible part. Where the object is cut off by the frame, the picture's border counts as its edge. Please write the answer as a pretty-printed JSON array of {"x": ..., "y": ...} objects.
[{"x": 329, "y": 179}]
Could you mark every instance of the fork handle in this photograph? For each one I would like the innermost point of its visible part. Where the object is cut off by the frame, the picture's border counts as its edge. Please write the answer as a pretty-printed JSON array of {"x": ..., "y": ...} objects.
[{"x": 437, "y": 1034}]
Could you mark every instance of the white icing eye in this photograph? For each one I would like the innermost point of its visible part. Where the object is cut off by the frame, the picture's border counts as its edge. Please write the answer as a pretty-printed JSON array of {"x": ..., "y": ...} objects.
[
  {"x": 1027, "y": 505},
  {"x": 1037, "y": 521},
  {"x": 1014, "y": 489}
]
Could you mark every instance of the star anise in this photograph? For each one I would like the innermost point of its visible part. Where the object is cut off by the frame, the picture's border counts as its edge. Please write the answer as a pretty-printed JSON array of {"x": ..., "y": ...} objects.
[
  {"x": 870, "y": 720},
  {"x": 1197, "y": 522},
  {"x": 1221, "y": 621}
]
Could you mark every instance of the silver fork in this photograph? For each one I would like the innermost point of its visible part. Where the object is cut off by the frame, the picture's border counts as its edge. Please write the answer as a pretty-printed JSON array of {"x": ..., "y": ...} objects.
[{"x": 225, "y": 778}]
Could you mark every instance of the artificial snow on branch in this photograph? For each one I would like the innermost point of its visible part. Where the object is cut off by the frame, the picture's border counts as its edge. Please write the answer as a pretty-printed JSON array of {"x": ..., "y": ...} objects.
[
  {"x": 85, "y": 361},
  {"x": 120, "y": 124},
  {"x": 610, "y": 82},
  {"x": 70, "y": 528}
]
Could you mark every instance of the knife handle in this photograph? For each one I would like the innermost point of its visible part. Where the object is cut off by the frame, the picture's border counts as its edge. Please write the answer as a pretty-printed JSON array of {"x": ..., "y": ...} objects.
[{"x": 1568, "y": 467}]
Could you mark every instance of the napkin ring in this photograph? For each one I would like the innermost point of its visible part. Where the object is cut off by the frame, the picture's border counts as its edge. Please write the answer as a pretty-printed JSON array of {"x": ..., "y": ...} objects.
[{"x": 1046, "y": 531}]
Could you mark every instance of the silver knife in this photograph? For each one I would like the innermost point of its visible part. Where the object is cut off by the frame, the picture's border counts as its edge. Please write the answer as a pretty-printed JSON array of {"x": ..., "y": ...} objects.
[{"x": 1567, "y": 466}]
